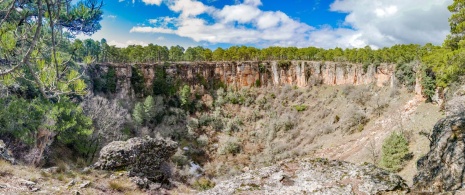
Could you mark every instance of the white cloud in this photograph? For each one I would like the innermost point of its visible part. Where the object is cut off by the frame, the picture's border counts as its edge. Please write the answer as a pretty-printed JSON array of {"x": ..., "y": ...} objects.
[
  {"x": 388, "y": 22},
  {"x": 127, "y": 43},
  {"x": 376, "y": 23},
  {"x": 152, "y": 2},
  {"x": 145, "y": 29},
  {"x": 111, "y": 16},
  {"x": 231, "y": 24}
]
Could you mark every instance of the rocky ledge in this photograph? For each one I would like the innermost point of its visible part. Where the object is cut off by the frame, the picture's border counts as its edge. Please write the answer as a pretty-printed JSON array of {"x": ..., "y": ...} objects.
[
  {"x": 144, "y": 158},
  {"x": 443, "y": 167},
  {"x": 319, "y": 176}
]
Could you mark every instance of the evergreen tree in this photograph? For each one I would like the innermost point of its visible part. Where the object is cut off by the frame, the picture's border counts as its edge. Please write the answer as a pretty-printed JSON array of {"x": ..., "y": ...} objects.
[
  {"x": 394, "y": 152},
  {"x": 457, "y": 25}
]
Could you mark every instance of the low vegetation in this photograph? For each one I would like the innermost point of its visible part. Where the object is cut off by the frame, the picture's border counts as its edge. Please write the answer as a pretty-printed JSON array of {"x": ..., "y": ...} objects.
[{"x": 395, "y": 152}]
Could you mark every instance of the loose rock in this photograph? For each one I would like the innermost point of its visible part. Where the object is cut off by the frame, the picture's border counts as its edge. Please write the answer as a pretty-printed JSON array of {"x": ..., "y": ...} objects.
[
  {"x": 142, "y": 157},
  {"x": 443, "y": 167},
  {"x": 318, "y": 176}
]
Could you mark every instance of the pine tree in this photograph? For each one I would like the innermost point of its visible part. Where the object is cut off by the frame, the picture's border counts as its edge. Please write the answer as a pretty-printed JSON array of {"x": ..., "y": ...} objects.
[
  {"x": 149, "y": 107},
  {"x": 457, "y": 25},
  {"x": 138, "y": 114},
  {"x": 394, "y": 152}
]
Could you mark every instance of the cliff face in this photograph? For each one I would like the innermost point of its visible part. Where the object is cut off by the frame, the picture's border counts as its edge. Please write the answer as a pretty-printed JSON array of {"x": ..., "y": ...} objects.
[{"x": 238, "y": 75}]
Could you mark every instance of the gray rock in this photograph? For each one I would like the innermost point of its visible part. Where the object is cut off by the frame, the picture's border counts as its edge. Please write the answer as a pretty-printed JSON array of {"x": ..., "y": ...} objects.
[
  {"x": 456, "y": 104},
  {"x": 443, "y": 167},
  {"x": 6, "y": 154},
  {"x": 28, "y": 183},
  {"x": 319, "y": 176},
  {"x": 142, "y": 157},
  {"x": 84, "y": 184},
  {"x": 71, "y": 183}
]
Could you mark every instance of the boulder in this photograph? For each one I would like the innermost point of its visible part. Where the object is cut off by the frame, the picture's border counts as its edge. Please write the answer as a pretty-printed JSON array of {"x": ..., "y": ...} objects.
[
  {"x": 317, "y": 176},
  {"x": 142, "y": 157},
  {"x": 6, "y": 154},
  {"x": 443, "y": 167},
  {"x": 456, "y": 104}
]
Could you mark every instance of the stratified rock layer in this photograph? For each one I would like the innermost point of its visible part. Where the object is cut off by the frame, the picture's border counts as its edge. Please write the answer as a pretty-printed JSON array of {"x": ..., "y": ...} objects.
[
  {"x": 142, "y": 157},
  {"x": 318, "y": 176},
  {"x": 443, "y": 167},
  {"x": 5, "y": 154},
  {"x": 238, "y": 75}
]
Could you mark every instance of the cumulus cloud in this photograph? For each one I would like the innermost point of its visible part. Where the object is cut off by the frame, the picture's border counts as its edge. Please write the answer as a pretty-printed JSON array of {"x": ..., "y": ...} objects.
[
  {"x": 127, "y": 43},
  {"x": 376, "y": 23},
  {"x": 388, "y": 22},
  {"x": 152, "y": 2}
]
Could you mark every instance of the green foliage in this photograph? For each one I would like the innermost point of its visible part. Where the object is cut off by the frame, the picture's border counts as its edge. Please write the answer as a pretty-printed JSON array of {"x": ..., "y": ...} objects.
[
  {"x": 229, "y": 145},
  {"x": 284, "y": 64},
  {"x": 185, "y": 95},
  {"x": 138, "y": 114},
  {"x": 203, "y": 184},
  {"x": 406, "y": 75},
  {"x": 22, "y": 119},
  {"x": 137, "y": 81},
  {"x": 163, "y": 84},
  {"x": 258, "y": 83},
  {"x": 300, "y": 107},
  {"x": 150, "y": 111},
  {"x": 111, "y": 80},
  {"x": 394, "y": 152},
  {"x": 428, "y": 83},
  {"x": 71, "y": 125},
  {"x": 457, "y": 25},
  {"x": 365, "y": 67}
]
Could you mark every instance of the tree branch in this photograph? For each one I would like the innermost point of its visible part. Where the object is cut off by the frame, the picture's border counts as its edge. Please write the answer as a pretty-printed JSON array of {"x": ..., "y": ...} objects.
[{"x": 32, "y": 47}]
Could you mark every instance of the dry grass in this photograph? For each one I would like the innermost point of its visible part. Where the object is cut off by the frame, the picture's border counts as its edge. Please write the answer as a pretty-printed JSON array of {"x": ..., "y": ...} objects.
[
  {"x": 6, "y": 169},
  {"x": 120, "y": 185}
]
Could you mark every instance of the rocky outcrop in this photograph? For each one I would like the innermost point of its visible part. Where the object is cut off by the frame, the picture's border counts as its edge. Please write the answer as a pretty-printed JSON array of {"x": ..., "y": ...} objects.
[
  {"x": 6, "y": 154},
  {"x": 443, "y": 167},
  {"x": 144, "y": 158},
  {"x": 319, "y": 176},
  {"x": 456, "y": 104},
  {"x": 237, "y": 75}
]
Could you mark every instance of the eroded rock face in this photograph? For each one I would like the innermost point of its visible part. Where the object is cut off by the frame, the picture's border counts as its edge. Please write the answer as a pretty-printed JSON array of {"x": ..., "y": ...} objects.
[
  {"x": 144, "y": 158},
  {"x": 6, "y": 154},
  {"x": 443, "y": 167},
  {"x": 318, "y": 176},
  {"x": 456, "y": 104},
  {"x": 237, "y": 75}
]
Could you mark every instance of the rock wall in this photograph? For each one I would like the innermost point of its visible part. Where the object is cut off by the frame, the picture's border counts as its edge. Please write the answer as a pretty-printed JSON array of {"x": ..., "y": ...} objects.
[{"x": 238, "y": 75}]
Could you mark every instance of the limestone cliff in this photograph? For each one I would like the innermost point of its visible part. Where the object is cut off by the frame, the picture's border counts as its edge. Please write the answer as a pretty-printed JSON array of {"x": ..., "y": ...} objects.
[{"x": 237, "y": 75}]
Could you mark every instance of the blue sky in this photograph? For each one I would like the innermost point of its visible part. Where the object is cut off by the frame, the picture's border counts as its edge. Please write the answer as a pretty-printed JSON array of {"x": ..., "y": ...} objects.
[{"x": 262, "y": 23}]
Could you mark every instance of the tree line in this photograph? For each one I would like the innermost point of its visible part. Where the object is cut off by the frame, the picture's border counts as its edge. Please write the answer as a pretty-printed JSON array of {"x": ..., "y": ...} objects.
[{"x": 100, "y": 51}]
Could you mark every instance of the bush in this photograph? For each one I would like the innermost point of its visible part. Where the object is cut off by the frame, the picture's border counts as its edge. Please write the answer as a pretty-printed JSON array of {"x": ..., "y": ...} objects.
[
  {"x": 203, "y": 184},
  {"x": 284, "y": 64},
  {"x": 229, "y": 145},
  {"x": 406, "y": 76},
  {"x": 111, "y": 80},
  {"x": 395, "y": 152},
  {"x": 137, "y": 81},
  {"x": 300, "y": 108}
]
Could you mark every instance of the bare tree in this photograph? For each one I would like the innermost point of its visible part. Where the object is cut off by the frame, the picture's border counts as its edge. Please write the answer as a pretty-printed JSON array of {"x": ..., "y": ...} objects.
[
  {"x": 373, "y": 151},
  {"x": 108, "y": 118}
]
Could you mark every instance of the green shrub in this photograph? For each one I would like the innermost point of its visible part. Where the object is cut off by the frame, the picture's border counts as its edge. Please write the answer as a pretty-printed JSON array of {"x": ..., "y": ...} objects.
[
  {"x": 111, "y": 80},
  {"x": 284, "y": 64},
  {"x": 229, "y": 145},
  {"x": 203, "y": 184},
  {"x": 406, "y": 76},
  {"x": 300, "y": 108},
  {"x": 22, "y": 119},
  {"x": 137, "y": 81},
  {"x": 394, "y": 152}
]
